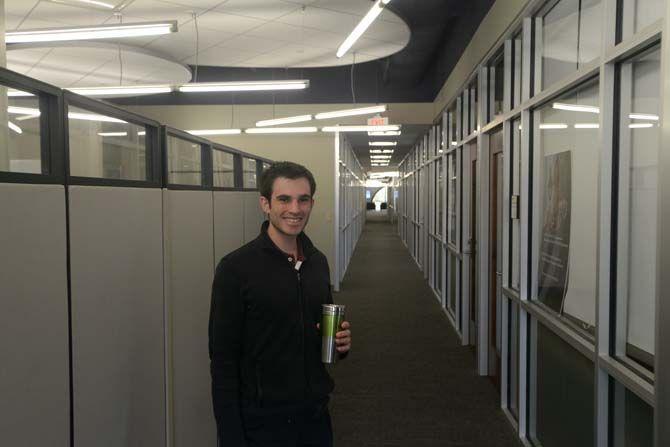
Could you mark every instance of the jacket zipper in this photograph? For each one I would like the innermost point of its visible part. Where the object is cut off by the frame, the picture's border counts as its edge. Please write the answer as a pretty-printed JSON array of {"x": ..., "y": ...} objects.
[{"x": 302, "y": 333}]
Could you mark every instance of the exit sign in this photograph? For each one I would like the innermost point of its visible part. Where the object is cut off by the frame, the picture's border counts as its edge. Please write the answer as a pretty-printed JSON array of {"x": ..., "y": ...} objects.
[{"x": 378, "y": 121}]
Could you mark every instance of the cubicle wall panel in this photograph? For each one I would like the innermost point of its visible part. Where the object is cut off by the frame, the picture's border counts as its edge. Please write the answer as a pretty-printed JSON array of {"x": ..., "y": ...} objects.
[
  {"x": 34, "y": 377},
  {"x": 116, "y": 240},
  {"x": 189, "y": 238},
  {"x": 253, "y": 216},
  {"x": 228, "y": 223}
]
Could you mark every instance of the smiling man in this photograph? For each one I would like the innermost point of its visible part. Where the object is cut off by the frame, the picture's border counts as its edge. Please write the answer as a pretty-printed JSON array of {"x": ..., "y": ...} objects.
[{"x": 269, "y": 386}]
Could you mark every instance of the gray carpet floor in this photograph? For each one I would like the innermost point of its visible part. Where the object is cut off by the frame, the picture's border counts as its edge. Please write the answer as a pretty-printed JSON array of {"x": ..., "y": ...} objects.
[{"x": 407, "y": 382}]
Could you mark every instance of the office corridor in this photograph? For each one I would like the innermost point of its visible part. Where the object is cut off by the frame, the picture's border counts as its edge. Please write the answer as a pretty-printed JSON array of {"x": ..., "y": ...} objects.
[{"x": 408, "y": 382}]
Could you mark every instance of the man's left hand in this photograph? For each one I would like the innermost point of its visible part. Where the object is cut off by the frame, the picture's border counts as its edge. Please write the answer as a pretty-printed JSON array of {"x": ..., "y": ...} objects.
[{"x": 343, "y": 338}]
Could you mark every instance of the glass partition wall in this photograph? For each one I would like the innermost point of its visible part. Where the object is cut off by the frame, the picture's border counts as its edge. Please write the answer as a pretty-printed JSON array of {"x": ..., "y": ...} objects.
[{"x": 545, "y": 189}]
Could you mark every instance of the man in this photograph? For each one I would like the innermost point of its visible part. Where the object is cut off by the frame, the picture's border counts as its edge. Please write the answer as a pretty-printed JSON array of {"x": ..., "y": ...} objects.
[{"x": 269, "y": 386}]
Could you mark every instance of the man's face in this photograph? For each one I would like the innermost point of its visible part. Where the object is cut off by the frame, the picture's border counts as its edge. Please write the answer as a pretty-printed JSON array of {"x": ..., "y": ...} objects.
[{"x": 290, "y": 205}]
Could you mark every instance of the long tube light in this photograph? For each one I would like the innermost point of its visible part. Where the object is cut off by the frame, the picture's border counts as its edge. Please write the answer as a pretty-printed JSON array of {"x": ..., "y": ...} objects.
[
  {"x": 202, "y": 132},
  {"x": 643, "y": 116},
  {"x": 18, "y": 93},
  {"x": 14, "y": 127},
  {"x": 113, "y": 134},
  {"x": 383, "y": 143},
  {"x": 122, "y": 90},
  {"x": 351, "y": 112},
  {"x": 587, "y": 126},
  {"x": 360, "y": 128},
  {"x": 93, "y": 4},
  {"x": 243, "y": 86},
  {"x": 390, "y": 133},
  {"x": 549, "y": 126},
  {"x": 362, "y": 26},
  {"x": 381, "y": 151},
  {"x": 287, "y": 120},
  {"x": 575, "y": 108},
  {"x": 269, "y": 130},
  {"x": 92, "y": 32},
  {"x": 640, "y": 125}
]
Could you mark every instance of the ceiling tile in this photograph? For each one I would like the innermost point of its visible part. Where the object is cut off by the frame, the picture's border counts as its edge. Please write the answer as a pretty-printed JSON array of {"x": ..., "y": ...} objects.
[
  {"x": 19, "y": 7},
  {"x": 160, "y": 10},
  {"x": 322, "y": 19},
  {"x": 220, "y": 56},
  {"x": 183, "y": 44},
  {"x": 260, "y": 9},
  {"x": 397, "y": 33},
  {"x": 251, "y": 43},
  {"x": 282, "y": 32},
  {"x": 200, "y": 4},
  {"x": 228, "y": 23},
  {"x": 70, "y": 15}
]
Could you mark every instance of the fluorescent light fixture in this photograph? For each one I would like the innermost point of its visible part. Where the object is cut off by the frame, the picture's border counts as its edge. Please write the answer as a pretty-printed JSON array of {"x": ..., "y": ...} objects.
[
  {"x": 640, "y": 125},
  {"x": 454, "y": 143},
  {"x": 202, "y": 132},
  {"x": 643, "y": 116},
  {"x": 391, "y": 133},
  {"x": 351, "y": 112},
  {"x": 195, "y": 87},
  {"x": 17, "y": 93},
  {"x": 92, "y": 4},
  {"x": 363, "y": 25},
  {"x": 360, "y": 128},
  {"x": 587, "y": 126},
  {"x": 287, "y": 120},
  {"x": 141, "y": 133},
  {"x": 268, "y": 130},
  {"x": 23, "y": 111},
  {"x": 383, "y": 143},
  {"x": 14, "y": 127},
  {"x": 548, "y": 126},
  {"x": 381, "y": 151},
  {"x": 385, "y": 174},
  {"x": 113, "y": 134},
  {"x": 122, "y": 90},
  {"x": 92, "y": 32},
  {"x": 575, "y": 108},
  {"x": 93, "y": 117}
]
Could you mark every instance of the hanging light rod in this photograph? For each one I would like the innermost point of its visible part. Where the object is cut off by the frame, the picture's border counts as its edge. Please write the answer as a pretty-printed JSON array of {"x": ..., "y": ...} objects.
[
  {"x": 269, "y": 130},
  {"x": 287, "y": 120},
  {"x": 122, "y": 90},
  {"x": 92, "y": 32},
  {"x": 362, "y": 26},
  {"x": 244, "y": 86},
  {"x": 202, "y": 132},
  {"x": 361, "y": 128},
  {"x": 351, "y": 112}
]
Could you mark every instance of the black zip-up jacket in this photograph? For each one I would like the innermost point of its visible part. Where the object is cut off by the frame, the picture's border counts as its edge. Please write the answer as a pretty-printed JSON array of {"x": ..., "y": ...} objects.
[{"x": 264, "y": 346}]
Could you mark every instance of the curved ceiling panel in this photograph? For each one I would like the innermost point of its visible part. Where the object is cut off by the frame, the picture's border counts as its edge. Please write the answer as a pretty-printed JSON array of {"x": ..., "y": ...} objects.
[{"x": 238, "y": 33}]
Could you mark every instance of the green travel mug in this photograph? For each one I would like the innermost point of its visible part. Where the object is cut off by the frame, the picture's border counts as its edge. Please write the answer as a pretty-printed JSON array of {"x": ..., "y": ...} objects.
[{"x": 332, "y": 318}]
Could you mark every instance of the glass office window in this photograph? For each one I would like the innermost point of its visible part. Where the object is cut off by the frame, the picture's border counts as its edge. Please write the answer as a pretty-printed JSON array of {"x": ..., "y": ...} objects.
[
  {"x": 639, "y": 13},
  {"x": 439, "y": 197},
  {"x": 184, "y": 162},
  {"x": 563, "y": 394},
  {"x": 496, "y": 85},
  {"x": 451, "y": 282},
  {"x": 633, "y": 419},
  {"x": 224, "y": 169},
  {"x": 473, "y": 107},
  {"x": 517, "y": 68},
  {"x": 20, "y": 149},
  {"x": 570, "y": 37},
  {"x": 248, "y": 172},
  {"x": 566, "y": 145},
  {"x": 453, "y": 121},
  {"x": 515, "y": 206},
  {"x": 639, "y": 145},
  {"x": 105, "y": 147},
  {"x": 513, "y": 357},
  {"x": 451, "y": 197}
]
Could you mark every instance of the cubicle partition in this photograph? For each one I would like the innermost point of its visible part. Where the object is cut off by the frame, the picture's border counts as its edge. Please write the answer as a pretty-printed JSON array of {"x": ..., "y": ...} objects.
[
  {"x": 114, "y": 225},
  {"x": 34, "y": 376}
]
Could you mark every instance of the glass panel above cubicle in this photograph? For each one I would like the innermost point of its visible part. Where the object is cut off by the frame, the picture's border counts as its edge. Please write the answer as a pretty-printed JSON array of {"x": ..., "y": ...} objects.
[
  {"x": 184, "y": 162},
  {"x": 248, "y": 173},
  {"x": 20, "y": 145},
  {"x": 103, "y": 146},
  {"x": 224, "y": 169}
]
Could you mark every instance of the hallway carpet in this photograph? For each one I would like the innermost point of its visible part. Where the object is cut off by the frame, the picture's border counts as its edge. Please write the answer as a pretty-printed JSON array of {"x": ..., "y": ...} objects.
[{"x": 407, "y": 382}]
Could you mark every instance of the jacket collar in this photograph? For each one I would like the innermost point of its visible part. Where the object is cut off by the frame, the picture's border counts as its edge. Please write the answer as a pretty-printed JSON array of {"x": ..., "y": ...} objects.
[{"x": 266, "y": 242}]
